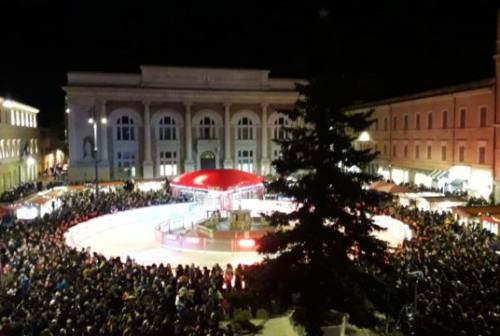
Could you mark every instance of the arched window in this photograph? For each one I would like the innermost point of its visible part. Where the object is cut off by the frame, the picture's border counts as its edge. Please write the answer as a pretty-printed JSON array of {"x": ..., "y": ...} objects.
[
  {"x": 2, "y": 148},
  {"x": 125, "y": 129},
  {"x": 245, "y": 129},
  {"x": 207, "y": 128},
  {"x": 279, "y": 132},
  {"x": 167, "y": 129}
]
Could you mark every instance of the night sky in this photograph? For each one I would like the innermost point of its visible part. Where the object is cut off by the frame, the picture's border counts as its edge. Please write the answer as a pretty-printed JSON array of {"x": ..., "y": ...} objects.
[{"x": 387, "y": 47}]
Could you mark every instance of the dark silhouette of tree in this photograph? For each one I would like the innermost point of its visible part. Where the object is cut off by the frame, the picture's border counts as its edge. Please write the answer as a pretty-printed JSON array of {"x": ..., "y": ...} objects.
[{"x": 324, "y": 250}]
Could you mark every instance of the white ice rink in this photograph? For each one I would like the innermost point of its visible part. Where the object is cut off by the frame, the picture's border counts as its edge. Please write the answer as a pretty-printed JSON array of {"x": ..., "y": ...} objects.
[{"x": 132, "y": 233}]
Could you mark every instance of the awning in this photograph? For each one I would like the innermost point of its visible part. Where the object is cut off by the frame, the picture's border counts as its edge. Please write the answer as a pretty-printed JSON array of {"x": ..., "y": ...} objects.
[{"x": 437, "y": 174}]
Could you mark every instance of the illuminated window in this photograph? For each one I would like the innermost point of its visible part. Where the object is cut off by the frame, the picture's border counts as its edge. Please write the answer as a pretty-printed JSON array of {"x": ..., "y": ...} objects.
[
  {"x": 482, "y": 155},
  {"x": 429, "y": 152},
  {"x": 417, "y": 121},
  {"x": 462, "y": 118},
  {"x": 461, "y": 154},
  {"x": 429, "y": 121},
  {"x": 375, "y": 125},
  {"x": 168, "y": 163},
  {"x": 167, "y": 129},
  {"x": 385, "y": 124},
  {"x": 445, "y": 119},
  {"x": 245, "y": 160},
  {"x": 482, "y": 116},
  {"x": 279, "y": 132},
  {"x": 125, "y": 130},
  {"x": 207, "y": 128},
  {"x": 245, "y": 129},
  {"x": 12, "y": 117},
  {"x": 126, "y": 162},
  {"x": 443, "y": 153}
]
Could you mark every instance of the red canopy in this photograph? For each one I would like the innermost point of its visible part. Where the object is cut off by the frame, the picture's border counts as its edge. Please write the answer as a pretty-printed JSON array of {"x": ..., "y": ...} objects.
[{"x": 217, "y": 179}]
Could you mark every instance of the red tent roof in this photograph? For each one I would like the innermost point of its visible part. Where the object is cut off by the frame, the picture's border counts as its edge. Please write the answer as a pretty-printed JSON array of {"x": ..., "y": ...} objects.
[{"x": 217, "y": 179}]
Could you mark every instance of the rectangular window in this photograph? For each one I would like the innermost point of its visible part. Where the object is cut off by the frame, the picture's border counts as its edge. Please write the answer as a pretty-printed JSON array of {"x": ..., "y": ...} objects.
[
  {"x": 245, "y": 160},
  {"x": 385, "y": 149},
  {"x": 375, "y": 124},
  {"x": 417, "y": 121},
  {"x": 461, "y": 154},
  {"x": 443, "y": 153},
  {"x": 406, "y": 122},
  {"x": 482, "y": 118},
  {"x": 406, "y": 151},
  {"x": 482, "y": 155},
  {"x": 462, "y": 118},
  {"x": 417, "y": 152},
  {"x": 394, "y": 153},
  {"x": 395, "y": 123},
  {"x": 385, "y": 124},
  {"x": 429, "y": 152},
  {"x": 429, "y": 121},
  {"x": 168, "y": 163},
  {"x": 445, "y": 119},
  {"x": 126, "y": 161}
]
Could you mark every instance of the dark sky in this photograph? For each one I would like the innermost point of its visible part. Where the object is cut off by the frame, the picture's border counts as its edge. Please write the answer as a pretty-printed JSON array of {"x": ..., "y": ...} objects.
[{"x": 388, "y": 47}]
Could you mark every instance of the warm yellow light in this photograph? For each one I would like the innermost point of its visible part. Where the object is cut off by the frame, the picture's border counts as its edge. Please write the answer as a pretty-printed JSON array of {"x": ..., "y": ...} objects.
[
  {"x": 104, "y": 120},
  {"x": 30, "y": 160},
  {"x": 364, "y": 137},
  {"x": 91, "y": 120}
]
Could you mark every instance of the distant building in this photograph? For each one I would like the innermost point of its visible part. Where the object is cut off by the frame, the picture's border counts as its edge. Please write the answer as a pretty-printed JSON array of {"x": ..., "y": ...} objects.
[
  {"x": 169, "y": 120},
  {"x": 19, "y": 152},
  {"x": 447, "y": 138}
]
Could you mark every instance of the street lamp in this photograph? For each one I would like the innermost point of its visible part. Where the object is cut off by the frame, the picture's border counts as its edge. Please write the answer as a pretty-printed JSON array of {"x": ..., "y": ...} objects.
[{"x": 93, "y": 122}]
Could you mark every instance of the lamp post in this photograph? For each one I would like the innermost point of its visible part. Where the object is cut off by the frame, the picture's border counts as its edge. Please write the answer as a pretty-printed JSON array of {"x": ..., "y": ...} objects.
[{"x": 94, "y": 122}]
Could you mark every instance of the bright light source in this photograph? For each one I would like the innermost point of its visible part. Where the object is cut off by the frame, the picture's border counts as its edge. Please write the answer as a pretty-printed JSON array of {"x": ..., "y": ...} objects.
[
  {"x": 246, "y": 243},
  {"x": 31, "y": 161},
  {"x": 8, "y": 103},
  {"x": 364, "y": 137},
  {"x": 192, "y": 240},
  {"x": 104, "y": 120},
  {"x": 171, "y": 237},
  {"x": 68, "y": 110},
  {"x": 27, "y": 212},
  {"x": 91, "y": 120}
]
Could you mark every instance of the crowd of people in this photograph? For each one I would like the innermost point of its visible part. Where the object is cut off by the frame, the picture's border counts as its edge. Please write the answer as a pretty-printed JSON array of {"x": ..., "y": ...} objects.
[{"x": 48, "y": 288}]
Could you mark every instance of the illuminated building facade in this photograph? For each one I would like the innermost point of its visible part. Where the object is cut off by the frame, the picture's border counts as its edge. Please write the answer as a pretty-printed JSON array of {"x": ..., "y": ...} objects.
[
  {"x": 169, "y": 120},
  {"x": 447, "y": 138},
  {"x": 19, "y": 151}
]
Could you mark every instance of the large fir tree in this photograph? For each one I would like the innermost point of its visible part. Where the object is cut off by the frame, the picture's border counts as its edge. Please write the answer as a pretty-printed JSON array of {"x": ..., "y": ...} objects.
[{"x": 323, "y": 250}]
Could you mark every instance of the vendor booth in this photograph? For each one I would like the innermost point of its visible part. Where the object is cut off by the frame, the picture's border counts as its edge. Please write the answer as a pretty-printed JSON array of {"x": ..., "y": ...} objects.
[{"x": 487, "y": 216}]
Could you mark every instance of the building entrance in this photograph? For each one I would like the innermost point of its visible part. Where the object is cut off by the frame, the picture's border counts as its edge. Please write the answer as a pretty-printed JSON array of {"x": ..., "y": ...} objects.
[{"x": 207, "y": 160}]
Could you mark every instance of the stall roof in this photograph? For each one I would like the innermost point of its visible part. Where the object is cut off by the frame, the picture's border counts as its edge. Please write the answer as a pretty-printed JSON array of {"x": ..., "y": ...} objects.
[
  {"x": 475, "y": 211},
  {"x": 433, "y": 199},
  {"x": 216, "y": 179},
  {"x": 389, "y": 187}
]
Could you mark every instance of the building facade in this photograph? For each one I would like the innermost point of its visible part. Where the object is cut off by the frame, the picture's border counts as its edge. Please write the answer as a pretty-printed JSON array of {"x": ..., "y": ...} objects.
[
  {"x": 447, "y": 138},
  {"x": 169, "y": 120},
  {"x": 19, "y": 150}
]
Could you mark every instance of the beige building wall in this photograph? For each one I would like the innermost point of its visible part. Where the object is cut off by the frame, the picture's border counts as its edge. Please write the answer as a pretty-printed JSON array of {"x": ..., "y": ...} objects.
[
  {"x": 19, "y": 144},
  {"x": 186, "y": 95}
]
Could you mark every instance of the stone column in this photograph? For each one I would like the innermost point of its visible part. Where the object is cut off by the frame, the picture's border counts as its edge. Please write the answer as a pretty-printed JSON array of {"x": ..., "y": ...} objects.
[
  {"x": 265, "y": 163},
  {"x": 228, "y": 162},
  {"x": 188, "y": 163},
  {"x": 148, "y": 163}
]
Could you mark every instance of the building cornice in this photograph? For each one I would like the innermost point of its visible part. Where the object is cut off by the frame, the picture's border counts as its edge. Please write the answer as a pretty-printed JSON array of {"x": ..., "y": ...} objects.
[{"x": 171, "y": 95}]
